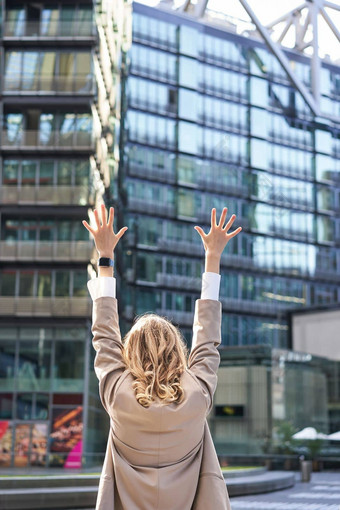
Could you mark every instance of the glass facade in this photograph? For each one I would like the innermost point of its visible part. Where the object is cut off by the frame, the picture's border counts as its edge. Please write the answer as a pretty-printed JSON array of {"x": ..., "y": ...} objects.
[
  {"x": 213, "y": 121},
  {"x": 261, "y": 387},
  {"x": 60, "y": 128}
]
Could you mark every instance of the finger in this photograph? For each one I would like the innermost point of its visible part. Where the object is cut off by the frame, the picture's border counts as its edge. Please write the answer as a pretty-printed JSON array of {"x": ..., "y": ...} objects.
[
  {"x": 96, "y": 217},
  {"x": 121, "y": 232},
  {"x": 200, "y": 231},
  {"x": 110, "y": 222},
  {"x": 223, "y": 216},
  {"x": 230, "y": 222},
  {"x": 104, "y": 214},
  {"x": 86, "y": 225},
  {"x": 232, "y": 234},
  {"x": 213, "y": 217}
]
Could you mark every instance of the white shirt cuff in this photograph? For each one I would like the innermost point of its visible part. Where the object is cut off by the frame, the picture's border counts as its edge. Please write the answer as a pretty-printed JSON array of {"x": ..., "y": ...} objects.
[
  {"x": 102, "y": 286},
  {"x": 210, "y": 285}
]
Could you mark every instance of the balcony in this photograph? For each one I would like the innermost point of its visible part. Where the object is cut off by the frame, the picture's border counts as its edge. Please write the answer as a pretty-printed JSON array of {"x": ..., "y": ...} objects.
[
  {"x": 46, "y": 29},
  {"x": 222, "y": 187},
  {"x": 79, "y": 251},
  {"x": 157, "y": 208},
  {"x": 47, "y": 141},
  {"x": 54, "y": 195},
  {"x": 46, "y": 306},
  {"x": 42, "y": 85},
  {"x": 154, "y": 174},
  {"x": 178, "y": 281},
  {"x": 178, "y": 317},
  {"x": 183, "y": 247},
  {"x": 247, "y": 305},
  {"x": 231, "y": 260}
]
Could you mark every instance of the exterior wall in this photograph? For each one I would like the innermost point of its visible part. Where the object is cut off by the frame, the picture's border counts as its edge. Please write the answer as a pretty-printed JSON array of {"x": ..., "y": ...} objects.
[
  {"x": 59, "y": 152},
  {"x": 211, "y": 120},
  {"x": 317, "y": 333},
  {"x": 245, "y": 387}
]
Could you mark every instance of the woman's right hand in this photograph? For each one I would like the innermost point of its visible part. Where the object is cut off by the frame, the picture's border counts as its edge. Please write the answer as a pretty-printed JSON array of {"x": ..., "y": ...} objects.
[{"x": 217, "y": 238}]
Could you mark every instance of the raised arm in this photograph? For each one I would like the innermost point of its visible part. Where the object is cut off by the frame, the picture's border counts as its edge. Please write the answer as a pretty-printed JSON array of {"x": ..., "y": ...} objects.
[
  {"x": 108, "y": 363},
  {"x": 204, "y": 358}
]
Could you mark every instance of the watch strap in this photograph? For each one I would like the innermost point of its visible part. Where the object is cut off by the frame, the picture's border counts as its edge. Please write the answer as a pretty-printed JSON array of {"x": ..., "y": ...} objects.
[{"x": 105, "y": 262}]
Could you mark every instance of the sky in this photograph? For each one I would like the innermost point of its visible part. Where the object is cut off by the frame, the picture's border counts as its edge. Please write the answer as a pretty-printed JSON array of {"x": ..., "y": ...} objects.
[{"x": 268, "y": 11}]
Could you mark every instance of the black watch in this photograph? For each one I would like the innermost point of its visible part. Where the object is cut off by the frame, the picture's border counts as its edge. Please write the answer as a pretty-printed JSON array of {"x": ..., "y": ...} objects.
[{"x": 105, "y": 262}]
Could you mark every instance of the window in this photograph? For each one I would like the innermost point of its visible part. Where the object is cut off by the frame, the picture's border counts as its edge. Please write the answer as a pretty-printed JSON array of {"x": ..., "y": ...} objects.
[
  {"x": 68, "y": 370},
  {"x": 62, "y": 283},
  {"x": 80, "y": 284},
  {"x": 47, "y": 71},
  {"x": 188, "y": 72},
  {"x": 189, "y": 41},
  {"x": 34, "y": 366},
  {"x": 10, "y": 173},
  {"x": 189, "y": 137}
]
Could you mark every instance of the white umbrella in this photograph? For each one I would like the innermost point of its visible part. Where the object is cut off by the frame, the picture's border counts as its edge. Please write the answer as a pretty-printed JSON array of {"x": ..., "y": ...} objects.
[
  {"x": 335, "y": 436},
  {"x": 309, "y": 433}
]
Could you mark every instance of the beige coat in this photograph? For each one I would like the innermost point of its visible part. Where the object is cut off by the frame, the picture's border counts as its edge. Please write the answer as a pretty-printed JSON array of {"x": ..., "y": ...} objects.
[{"x": 161, "y": 457}]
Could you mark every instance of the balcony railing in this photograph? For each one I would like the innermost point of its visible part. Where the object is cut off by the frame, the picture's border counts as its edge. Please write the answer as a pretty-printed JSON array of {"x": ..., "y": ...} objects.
[
  {"x": 158, "y": 208},
  {"x": 216, "y": 185},
  {"x": 75, "y": 195},
  {"x": 247, "y": 305},
  {"x": 178, "y": 281},
  {"x": 155, "y": 174},
  {"x": 179, "y": 317},
  {"x": 77, "y": 84},
  {"x": 80, "y": 251},
  {"x": 47, "y": 140},
  {"x": 183, "y": 247},
  {"x": 75, "y": 29},
  {"x": 46, "y": 306}
]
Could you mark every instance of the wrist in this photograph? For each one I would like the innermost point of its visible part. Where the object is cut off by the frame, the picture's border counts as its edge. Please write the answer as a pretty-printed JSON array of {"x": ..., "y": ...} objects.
[
  {"x": 212, "y": 255},
  {"x": 212, "y": 262},
  {"x": 106, "y": 254}
]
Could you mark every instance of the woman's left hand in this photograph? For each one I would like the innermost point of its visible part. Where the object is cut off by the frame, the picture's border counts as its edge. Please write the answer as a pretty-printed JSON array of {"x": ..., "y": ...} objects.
[{"x": 104, "y": 237}]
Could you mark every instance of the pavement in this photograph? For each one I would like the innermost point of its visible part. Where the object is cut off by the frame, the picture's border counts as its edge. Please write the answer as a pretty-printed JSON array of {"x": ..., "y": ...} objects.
[{"x": 321, "y": 493}]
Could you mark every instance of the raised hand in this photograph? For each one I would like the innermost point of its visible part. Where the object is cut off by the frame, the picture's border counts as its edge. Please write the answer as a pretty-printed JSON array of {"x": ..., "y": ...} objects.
[
  {"x": 217, "y": 238},
  {"x": 104, "y": 237}
]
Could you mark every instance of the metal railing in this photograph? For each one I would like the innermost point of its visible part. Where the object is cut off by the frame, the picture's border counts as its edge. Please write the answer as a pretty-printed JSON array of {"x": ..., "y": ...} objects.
[
  {"x": 46, "y": 250},
  {"x": 142, "y": 205},
  {"x": 50, "y": 29},
  {"x": 47, "y": 140},
  {"x": 157, "y": 174},
  {"x": 179, "y": 317},
  {"x": 78, "y": 84},
  {"x": 75, "y": 195},
  {"x": 179, "y": 281},
  {"x": 45, "y": 306}
]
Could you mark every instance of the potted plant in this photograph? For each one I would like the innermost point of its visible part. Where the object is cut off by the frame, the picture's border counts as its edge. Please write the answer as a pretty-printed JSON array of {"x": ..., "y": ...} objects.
[{"x": 285, "y": 446}]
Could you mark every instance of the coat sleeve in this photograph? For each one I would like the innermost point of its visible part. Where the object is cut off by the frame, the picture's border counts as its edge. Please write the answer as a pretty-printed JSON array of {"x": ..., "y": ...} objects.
[
  {"x": 108, "y": 363},
  {"x": 204, "y": 358}
]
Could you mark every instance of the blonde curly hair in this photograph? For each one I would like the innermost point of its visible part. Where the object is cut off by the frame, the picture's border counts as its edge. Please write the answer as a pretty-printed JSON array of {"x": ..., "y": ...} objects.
[{"x": 156, "y": 354}]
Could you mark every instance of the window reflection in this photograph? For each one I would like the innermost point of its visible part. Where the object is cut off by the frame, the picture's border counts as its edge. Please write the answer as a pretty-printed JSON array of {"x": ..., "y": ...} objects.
[
  {"x": 7, "y": 365},
  {"x": 68, "y": 370},
  {"x": 34, "y": 365},
  {"x": 47, "y": 71}
]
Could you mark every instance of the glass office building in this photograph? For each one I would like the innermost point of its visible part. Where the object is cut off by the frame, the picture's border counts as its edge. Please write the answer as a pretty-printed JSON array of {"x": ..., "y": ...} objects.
[
  {"x": 59, "y": 149},
  {"x": 211, "y": 120}
]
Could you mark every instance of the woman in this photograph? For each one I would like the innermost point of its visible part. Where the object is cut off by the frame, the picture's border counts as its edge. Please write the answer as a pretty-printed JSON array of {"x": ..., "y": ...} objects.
[{"x": 160, "y": 455}]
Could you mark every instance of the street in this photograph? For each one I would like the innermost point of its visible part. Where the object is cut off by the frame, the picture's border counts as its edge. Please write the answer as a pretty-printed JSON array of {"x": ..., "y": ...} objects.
[{"x": 322, "y": 493}]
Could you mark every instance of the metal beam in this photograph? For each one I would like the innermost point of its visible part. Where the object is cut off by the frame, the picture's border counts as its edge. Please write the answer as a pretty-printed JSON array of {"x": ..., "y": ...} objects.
[
  {"x": 291, "y": 19},
  {"x": 284, "y": 16},
  {"x": 330, "y": 23},
  {"x": 276, "y": 50},
  {"x": 316, "y": 62}
]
